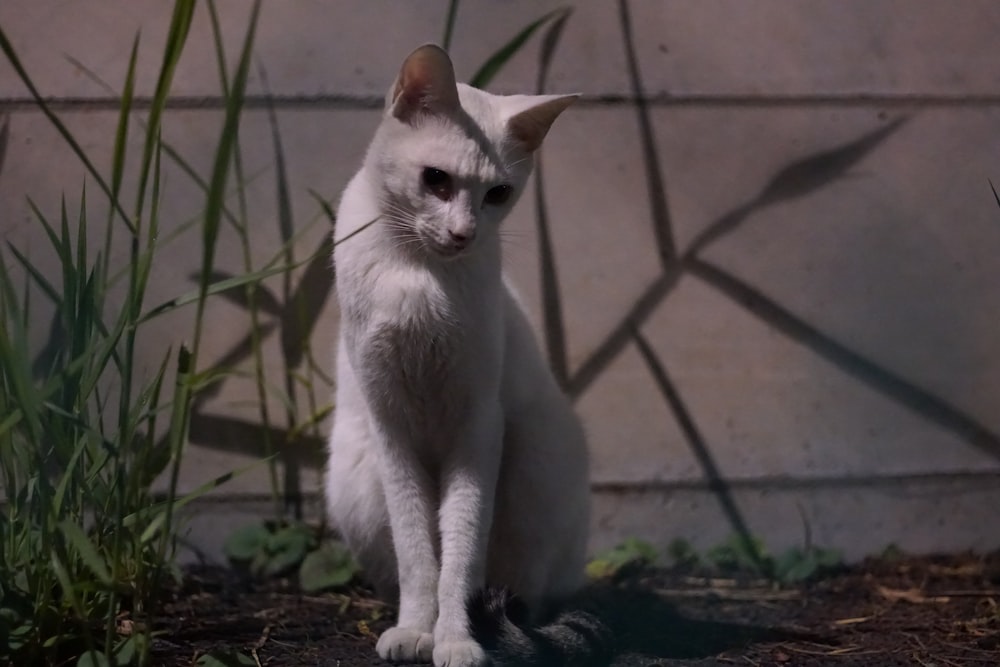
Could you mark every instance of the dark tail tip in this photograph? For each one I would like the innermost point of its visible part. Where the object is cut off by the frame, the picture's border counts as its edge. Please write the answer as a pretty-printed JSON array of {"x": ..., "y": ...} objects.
[
  {"x": 499, "y": 621},
  {"x": 494, "y": 613}
]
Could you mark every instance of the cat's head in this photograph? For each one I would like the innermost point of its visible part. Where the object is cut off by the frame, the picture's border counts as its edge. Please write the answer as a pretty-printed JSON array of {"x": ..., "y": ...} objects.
[{"x": 450, "y": 160}]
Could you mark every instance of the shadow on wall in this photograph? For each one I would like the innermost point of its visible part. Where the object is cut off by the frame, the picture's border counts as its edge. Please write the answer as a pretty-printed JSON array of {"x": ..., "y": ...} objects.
[
  {"x": 797, "y": 179},
  {"x": 294, "y": 312}
]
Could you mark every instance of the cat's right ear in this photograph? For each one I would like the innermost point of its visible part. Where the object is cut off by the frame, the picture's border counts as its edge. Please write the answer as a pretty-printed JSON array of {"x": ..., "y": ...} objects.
[{"x": 426, "y": 84}]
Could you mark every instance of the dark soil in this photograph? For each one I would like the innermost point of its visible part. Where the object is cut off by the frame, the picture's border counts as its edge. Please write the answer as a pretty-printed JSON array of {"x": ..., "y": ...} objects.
[{"x": 940, "y": 611}]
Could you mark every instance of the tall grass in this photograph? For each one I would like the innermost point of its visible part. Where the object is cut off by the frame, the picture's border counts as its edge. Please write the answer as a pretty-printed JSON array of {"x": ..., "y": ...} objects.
[{"x": 84, "y": 541}]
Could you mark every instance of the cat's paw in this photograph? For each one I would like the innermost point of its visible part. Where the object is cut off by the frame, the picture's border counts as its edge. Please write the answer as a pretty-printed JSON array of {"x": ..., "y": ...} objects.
[
  {"x": 405, "y": 645},
  {"x": 462, "y": 653}
]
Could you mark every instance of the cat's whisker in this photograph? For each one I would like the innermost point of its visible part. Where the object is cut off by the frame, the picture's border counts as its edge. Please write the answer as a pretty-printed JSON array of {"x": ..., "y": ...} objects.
[
  {"x": 516, "y": 233},
  {"x": 517, "y": 162},
  {"x": 393, "y": 206},
  {"x": 398, "y": 213}
]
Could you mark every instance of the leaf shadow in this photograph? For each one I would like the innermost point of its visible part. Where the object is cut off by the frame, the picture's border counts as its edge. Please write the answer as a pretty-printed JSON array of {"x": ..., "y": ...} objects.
[
  {"x": 656, "y": 185},
  {"x": 799, "y": 178},
  {"x": 552, "y": 311},
  {"x": 4, "y": 138},
  {"x": 307, "y": 302},
  {"x": 852, "y": 363}
]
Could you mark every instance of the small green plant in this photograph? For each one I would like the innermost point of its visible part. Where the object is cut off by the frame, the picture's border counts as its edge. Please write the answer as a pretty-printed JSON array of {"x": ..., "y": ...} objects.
[
  {"x": 683, "y": 554},
  {"x": 799, "y": 564},
  {"x": 733, "y": 556},
  {"x": 631, "y": 552},
  {"x": 279, "y": 548},
  {"x": 892, "y": 553},
  {"x": 740, "y": 556}
]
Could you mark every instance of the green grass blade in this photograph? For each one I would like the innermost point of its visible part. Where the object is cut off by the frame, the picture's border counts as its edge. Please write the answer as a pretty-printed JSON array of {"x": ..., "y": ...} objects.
[
  {"x": 16, "y": 371},
  {"x": 121, "y": 142},
  {"x": 70, "y": 271},
  {"x": 548, "y": 49},
  {"x": 264, "y": 300},
  {"x": 223, "y": 160},
  {"x": 286, "y": 225},
  {"x": 180, "y": 25},
  {"x": 124, "y": 115},
  {"x": 220, "y": 51},
  {"x": 66, "y": 583},
  {"x": 68, "y": 475},
  {"x": 171, "y": 152},
  {"x": 217, "y": 288},
  {"x": 449, "y": 24},
  {"x": 67, "y": 136},
  {"x": 37, "y": 276},
  {"x": 65, "y": 259},
  {"x": 325, "y": 207},
  {"x": 179, "y": 502},
  {"x": 86, "y": 550},
  {"x": 495, "y": 63}
]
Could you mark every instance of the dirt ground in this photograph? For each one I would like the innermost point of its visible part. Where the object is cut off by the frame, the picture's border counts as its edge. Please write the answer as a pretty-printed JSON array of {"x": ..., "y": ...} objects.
[{"x": 940, "y": 611}]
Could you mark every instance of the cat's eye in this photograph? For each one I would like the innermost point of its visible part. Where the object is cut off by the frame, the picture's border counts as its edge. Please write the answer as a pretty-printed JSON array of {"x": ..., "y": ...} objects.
[
  {"x": 438, "y": 182},
  {"x": 498, "y": 195}
]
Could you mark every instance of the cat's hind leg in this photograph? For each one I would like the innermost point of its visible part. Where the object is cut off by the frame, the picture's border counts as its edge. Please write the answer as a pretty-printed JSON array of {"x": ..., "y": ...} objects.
[{"x": 355, "y": 499}]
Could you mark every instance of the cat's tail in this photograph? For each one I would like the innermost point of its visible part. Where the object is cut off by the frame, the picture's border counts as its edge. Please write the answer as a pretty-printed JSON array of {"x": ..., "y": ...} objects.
[
  {"x": 576, "y": 636},
  {"x": 602, "y": 622}
]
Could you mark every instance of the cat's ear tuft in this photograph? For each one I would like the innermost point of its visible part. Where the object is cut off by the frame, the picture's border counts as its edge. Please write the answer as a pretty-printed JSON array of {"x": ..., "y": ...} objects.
[
  {"x": 426, "y": 84},
  {"x": 530, "y": 124}
]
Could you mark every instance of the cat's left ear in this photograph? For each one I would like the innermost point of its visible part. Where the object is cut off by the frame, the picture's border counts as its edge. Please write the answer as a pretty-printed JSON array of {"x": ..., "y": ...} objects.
[
  {"x": 533, "y": 115},
  {"x": 426, "y": 84}
]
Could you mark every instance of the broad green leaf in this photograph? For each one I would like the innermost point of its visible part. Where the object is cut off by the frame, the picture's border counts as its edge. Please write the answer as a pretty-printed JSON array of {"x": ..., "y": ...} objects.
[
  {"x": 243, "y": 544},
  {"x": 329, "y": 566},
  {"x": 93, "y": 659},
  {"x": 225, "y": 659},
  {"x": 127, "y": 651},
  {"x": 286, "y": 548}
]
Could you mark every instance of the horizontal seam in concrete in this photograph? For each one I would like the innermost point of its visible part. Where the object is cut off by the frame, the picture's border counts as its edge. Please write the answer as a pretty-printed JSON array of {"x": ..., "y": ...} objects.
[
  {"x": 882, "y": 482},
  {"x": 610, "y": 100},
  {"x": 980, "y": 480}
]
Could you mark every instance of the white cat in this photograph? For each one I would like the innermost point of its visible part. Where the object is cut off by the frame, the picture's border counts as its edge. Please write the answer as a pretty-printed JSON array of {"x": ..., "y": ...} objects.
[{"x": 455, "y": 460}]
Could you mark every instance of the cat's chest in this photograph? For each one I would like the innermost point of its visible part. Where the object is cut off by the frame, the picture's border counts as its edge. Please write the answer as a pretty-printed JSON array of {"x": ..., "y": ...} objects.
[{"x": 415, "y": 332}]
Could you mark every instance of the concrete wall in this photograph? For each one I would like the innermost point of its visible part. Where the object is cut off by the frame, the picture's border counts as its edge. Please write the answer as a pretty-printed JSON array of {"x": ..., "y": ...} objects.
[{"x": 776, "y": 256}]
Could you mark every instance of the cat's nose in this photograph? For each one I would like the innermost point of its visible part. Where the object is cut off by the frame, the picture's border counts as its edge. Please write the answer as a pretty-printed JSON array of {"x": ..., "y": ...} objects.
[{"x": 461, "y": 237}]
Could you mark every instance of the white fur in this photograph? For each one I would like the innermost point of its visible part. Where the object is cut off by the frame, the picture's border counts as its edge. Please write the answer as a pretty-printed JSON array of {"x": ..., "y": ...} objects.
[{"x": 455, "y": 460}]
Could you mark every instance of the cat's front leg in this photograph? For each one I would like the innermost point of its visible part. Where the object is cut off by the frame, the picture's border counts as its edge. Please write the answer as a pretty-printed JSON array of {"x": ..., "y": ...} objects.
[
  {"x": 409, "y": 498},
  {"x": 467, "y": 500}
]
